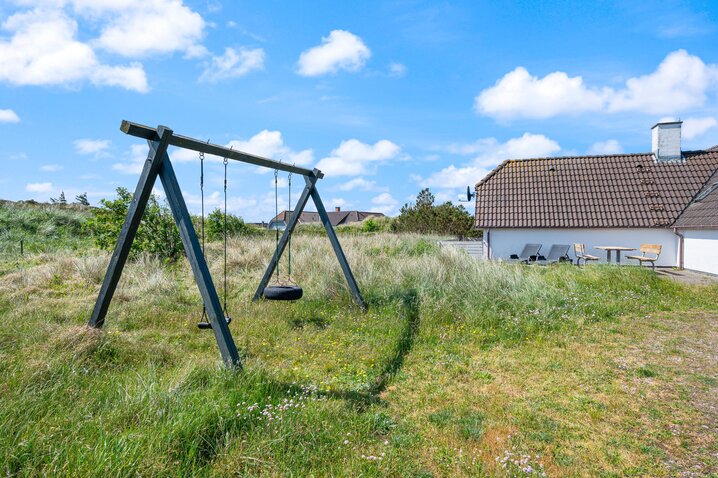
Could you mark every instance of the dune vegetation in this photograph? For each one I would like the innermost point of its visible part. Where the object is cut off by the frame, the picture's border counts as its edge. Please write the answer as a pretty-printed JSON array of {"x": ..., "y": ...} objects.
[{"x": 457, "y": 368}]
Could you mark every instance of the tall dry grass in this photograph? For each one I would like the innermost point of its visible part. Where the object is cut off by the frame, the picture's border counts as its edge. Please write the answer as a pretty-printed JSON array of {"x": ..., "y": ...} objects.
[{"x": 147, "y": 395}]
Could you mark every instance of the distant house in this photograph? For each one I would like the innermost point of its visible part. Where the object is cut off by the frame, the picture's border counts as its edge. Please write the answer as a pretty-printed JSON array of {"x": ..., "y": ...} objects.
[
  {"x": 667, "y": 197},
  {"x": 337, "y": 218}
]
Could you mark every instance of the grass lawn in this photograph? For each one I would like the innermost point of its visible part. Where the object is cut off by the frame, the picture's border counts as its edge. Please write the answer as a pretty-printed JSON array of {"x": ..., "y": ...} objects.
[{"x": 458, "y": 368}]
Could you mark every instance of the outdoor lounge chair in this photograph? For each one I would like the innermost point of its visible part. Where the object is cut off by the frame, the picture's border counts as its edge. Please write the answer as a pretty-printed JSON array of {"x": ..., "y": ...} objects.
[
  {"x": 580, "y": 251},
  {"x": 529, "y": 254},
  {"x": 648, "y": 249},
  {"x": 557, "y": 253}
]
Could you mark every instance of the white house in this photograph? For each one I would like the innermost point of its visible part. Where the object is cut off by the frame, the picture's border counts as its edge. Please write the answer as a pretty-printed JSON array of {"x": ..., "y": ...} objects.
[{"x": 667, "y": 197}]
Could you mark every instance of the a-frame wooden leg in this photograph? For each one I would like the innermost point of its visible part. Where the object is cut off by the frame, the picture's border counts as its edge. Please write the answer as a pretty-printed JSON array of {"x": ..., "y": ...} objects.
[
  {"x": 337, "y": 248},
  {"x": 158, "y": 163},
  {"x": 199, "y": 265},
  {"x": 129, "y": 228},
  {"x": 293, "y": 220}
]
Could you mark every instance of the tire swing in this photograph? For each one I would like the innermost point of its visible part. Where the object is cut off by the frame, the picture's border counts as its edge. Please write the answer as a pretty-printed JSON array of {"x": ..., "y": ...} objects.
[
  {"x": 204, "y": 322},
  {"x": 288, "y": 290}
]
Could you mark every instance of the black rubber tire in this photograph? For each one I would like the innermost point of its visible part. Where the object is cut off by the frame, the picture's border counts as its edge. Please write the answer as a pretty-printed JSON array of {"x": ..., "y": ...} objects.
[{"x": 283, "y": 292}]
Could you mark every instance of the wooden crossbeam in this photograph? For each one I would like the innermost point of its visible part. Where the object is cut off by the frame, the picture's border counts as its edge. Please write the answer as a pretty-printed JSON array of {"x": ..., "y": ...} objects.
[{"x": 151, "y": 134}]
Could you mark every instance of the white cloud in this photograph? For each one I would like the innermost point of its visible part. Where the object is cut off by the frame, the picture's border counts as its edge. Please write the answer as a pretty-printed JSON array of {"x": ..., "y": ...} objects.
[
  {"x": 43, "y": 50},
  {"x": 137, "y": 28},
  {"x": 9, "y": 116},
  {"x": 233, "y": 64},
  {"x": 358, "y": 183},
  {"x": 243, "y": 206},
  {"x": 338, "y": 202},
  {"x": 489, "y": 152},
  {"x": 92, "y": 146},
  {"x": 521, "y": 95},
  {"x": 282, "y": 182},
  {"x": 341, "y": 50},
  {"x": 385, "y": 203},
  {"x": 610, "y": 146},
  {"x": 270, "y": 144},
  {"x": 135, "y": 160},
  {"x": 50, "y": 168},
  {"x": 681, "y": 81},
  {"x": 397, "y": 69},
  {"x": 39, "y": 187},
  {"x": 695, "y": 127},
  {"x": 353, "y": 158},
  {"x": 452, "y": 177}
]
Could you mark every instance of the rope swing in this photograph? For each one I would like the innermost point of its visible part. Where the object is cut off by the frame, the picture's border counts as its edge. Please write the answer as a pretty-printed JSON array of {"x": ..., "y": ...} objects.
[{"x": 204, "y": 321}]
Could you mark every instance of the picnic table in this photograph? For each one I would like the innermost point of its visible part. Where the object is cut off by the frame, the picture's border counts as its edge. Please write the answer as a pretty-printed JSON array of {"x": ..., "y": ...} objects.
[{"x": 618, "y": 250}]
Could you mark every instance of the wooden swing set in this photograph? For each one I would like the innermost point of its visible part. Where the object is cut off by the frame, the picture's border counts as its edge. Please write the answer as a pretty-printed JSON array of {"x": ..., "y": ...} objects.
[{"x": 158, "y": 164}]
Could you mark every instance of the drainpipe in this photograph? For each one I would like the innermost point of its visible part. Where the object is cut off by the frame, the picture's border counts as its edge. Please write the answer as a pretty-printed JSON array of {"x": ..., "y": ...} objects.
[
  {"x": 680, "y": 248},
  {"x": 487, "y": 233}
]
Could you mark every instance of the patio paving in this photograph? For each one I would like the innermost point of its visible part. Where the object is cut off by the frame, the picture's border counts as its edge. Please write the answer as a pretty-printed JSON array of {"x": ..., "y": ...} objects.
[{"x": 686, "y": 276}]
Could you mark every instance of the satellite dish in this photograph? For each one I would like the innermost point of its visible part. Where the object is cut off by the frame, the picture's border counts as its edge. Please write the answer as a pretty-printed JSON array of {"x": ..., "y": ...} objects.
[{"x": 468, "y": 196}]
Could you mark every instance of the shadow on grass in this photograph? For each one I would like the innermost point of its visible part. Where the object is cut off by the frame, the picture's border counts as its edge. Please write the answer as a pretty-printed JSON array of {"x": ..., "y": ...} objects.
[
  {"x": 361, "y": 399},
  {"x": 410, "y": 312},
  {"x": 410, "y": 307}
]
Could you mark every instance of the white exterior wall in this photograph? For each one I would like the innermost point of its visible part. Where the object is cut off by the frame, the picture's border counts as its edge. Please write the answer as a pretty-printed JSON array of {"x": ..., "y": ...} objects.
[
  {"x": 700, "y": 250},
  {"x": 504, "y": 242}
]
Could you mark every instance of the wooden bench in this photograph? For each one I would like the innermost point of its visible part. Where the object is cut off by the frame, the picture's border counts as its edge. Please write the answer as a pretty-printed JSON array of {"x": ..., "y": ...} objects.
[
  {"x": 648, "y": 249},
  {"x": 580, "y": 251}
]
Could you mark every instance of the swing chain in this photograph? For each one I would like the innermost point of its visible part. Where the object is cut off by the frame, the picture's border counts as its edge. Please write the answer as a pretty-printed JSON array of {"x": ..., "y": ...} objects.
[
  {"x": 225, "y": 236},
  {"x": 276, "y": 223},
  {"x": 204, "y": 318},
  {"x": 289, "y": 256}
]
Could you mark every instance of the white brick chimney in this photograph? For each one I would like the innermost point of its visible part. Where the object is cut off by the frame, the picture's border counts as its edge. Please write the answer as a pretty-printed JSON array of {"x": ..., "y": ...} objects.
[{"x": 666, "y": 141}]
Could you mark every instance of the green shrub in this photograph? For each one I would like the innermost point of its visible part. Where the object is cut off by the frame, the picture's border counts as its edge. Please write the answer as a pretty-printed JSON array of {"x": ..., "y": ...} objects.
[
  {"x": 424, "y": 217},
  {"x": 214, "y": 226},
  {"x": 157, "y": 234},
  {"x": 369, "y": 225}
]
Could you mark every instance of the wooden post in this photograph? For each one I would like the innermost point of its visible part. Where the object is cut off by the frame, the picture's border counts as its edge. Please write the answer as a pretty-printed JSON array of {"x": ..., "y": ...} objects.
[
  {"x": 158, "y": 163},
  {"x": 202, "y": 276},
  {"x": 129, "y": 228},
  {"x": 337, "y": 247}
]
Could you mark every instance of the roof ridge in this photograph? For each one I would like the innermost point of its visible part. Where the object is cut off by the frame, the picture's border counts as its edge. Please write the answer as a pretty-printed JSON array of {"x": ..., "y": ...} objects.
[
  {"x": 586, "y": 156},
  {"x": 619, "y": 155}
]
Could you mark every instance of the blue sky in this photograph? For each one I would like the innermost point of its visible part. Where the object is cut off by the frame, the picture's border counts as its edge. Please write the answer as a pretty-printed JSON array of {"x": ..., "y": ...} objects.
[{"x": 384, "y": 97}]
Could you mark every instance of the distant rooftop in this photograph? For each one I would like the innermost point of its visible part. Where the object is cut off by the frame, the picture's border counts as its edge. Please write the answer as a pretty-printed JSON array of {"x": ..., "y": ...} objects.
[{"x": 336, "y": 217}]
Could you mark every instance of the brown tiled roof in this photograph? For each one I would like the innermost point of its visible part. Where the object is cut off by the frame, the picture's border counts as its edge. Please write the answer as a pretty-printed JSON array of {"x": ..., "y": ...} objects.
[
  {"x": 703, "y": 211},
  {"x": 627, "y": 190},
  {"x": 337, "y": 218}
]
